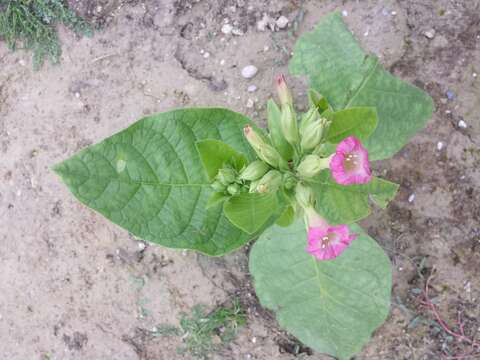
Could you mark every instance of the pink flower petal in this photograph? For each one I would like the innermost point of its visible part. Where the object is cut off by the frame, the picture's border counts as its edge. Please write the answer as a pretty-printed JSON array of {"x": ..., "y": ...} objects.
[
  {"x": 350, "y": 163},
  {"x": 327, "y": 243}
]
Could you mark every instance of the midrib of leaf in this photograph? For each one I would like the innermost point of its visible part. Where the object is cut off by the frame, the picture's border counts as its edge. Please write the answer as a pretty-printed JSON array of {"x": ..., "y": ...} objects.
[{"x": 367, "y": 77}]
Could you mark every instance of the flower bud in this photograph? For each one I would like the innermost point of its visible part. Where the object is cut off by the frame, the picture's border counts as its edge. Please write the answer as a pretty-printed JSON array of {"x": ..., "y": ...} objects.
[
  {"x": 270, "y": 182},
  {"x": 264, "y": 151},
  {"x": 311, "y": 165},
  {"x": 283, "y": 92},
  {"x": 254, "y": 171},
  {"x": 233, "y": 189},
  {"x": 288, "y": 124},
  {"x": 253, "y": 186},
  {"x": 226, "y": 176},
  {"x": 304, "y": 195},
  {"x": 289, "y": 181},
  {"x": 313, "y": 134},
  {"x": 307, "y": 118},
  {"x": 218, "y": 186}
]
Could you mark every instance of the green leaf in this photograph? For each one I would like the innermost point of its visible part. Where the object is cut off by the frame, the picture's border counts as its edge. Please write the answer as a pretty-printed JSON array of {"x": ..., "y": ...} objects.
[
  {"x": 250, "y": 211},
  {"x": 149, "y": 179},
  {"x": 216, "y": 154},
  {"x": 341, "y": 71},
  {"x": 345, "y": 204},
  {"x": 287, "y": 217},
  {"x": 332, "y": 306},
  {"x": 276, "y": 136},
  {"x": 318, "y": 100},
  {"x": 216, "y": 199},
  {"x": 356, "y": 121}
]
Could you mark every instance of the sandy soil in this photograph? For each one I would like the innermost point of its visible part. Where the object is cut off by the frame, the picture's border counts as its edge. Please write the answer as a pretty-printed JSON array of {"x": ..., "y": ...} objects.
[{"x": 74, "y": 286}]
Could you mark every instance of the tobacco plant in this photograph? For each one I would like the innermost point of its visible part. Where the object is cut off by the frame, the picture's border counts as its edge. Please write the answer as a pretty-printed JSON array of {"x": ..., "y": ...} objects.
[{"x": 209, "y": 180}]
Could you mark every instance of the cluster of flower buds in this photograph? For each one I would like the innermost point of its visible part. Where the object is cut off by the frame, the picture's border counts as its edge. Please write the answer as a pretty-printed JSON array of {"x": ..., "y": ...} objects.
[
  {"x": 225, "y": 181},
  {"x": 290, "y": 156}
]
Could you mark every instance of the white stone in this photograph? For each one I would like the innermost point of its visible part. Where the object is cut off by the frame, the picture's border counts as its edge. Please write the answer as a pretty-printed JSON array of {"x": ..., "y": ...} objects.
[
  {"x": 411, "y": 198},
  {"x": 282, "y": 22},
  {"x": 344, "y": 12},
  {"x": 251, "y": 88},
  {"x": 237, "y": 32},
  {"x": 430, "y": 34},
  {"x": 440, "y": 145},
  {"x": 249, "y": 71},
  {"x": 227, "y": 29},
  {"x": 462, "y": 124},
  {"x": 250, "y": 103},
  {"x": 222, "y": 62}
]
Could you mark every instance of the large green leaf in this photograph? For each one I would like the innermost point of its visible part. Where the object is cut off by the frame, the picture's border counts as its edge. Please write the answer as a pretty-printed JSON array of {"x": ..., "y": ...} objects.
[
  {"x": 344, "y": 204},
  {"x": 340, "y": 70},
  {"x": 331, "y": 306},
  {"x": 250, "y": 211},
  {"x": 357, "y": 121},
  {"x": 149, "y": 179}
]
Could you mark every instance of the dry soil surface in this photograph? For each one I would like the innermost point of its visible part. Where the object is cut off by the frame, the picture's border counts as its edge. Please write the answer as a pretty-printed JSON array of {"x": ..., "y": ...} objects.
[{"x": 74, "y": 286}]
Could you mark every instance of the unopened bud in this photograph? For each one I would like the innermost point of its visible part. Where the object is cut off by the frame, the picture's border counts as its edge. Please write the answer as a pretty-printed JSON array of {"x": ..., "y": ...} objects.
[
  {"x": 233, "y": 189},
  {"x": 254, "y": 171},
  {"x": 313, "y": 134},
  {"x": 218, "y": 186},
  {"x": 304, "y": 195},
  {"x": 226, "y": 176},
  {"x": 311, "y": 165},
  {"x": 253, "y": 186},
  {"x": 283, "y": 92},
  {"x": 270, "y": 182},
  {"x": 289, "y": 181},
  {"x": 307, "y": 118},
  {"x": 288, "y": 124},
  {"x": 264, "y": 151}
]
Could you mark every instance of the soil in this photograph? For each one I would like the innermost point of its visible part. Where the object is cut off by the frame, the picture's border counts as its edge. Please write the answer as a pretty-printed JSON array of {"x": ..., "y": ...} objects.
[{"x": 75, "y": 286}]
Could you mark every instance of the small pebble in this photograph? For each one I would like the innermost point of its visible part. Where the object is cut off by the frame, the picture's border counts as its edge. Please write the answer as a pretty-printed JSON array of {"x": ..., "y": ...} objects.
[
  {"x": 206, "y": 55},
  {"x": 251, "y": 88},
  {"x": 282, "y": 22},
  {"x": 237, "y": 32},
  {"x": 254, "y": 340},
  {"x": 462, "y": 124},
  {"x": 474, "y": 75},
  {"x": 222, "y": 62},
  {"x": 249, "y": 71},
  {"x": 227, "y": 29},
  {"x": 265, "y": 22},
  {"x": 250, "y": 103},
  {"x": 440, "y": 145},
  {"x": 141, "y": 246},
  {"x": 450, "y": 94},
  {"x": 344, "y": 12},
  {"x": 77, "y": 95},
  {"x": 411, "y": 198},
  {"x": 429, "y": 34},
  {"x": 394, "y": 13}
]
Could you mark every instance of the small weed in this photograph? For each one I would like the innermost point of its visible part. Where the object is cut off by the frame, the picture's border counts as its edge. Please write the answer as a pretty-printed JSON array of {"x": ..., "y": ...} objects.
[
  {"x": 203, "y": 333},
  {"x": 32, "y": 23}
]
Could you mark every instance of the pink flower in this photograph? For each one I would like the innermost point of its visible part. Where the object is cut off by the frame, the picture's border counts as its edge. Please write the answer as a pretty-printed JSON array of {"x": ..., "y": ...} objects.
[
  {"x": 326, "y": 243},
  {"x": 349, "y": 164}
]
